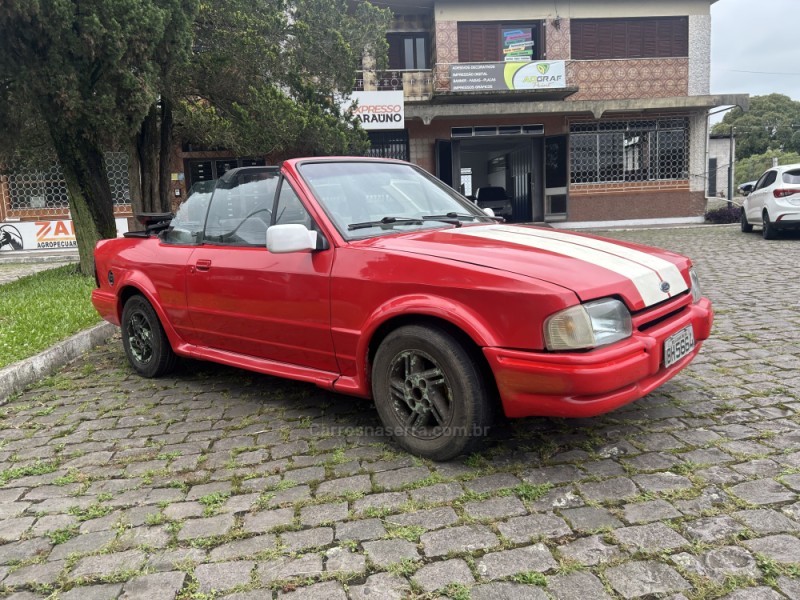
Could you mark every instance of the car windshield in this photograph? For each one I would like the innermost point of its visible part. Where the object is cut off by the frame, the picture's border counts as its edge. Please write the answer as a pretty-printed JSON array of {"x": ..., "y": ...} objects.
[{"x": 370, "y": 198}]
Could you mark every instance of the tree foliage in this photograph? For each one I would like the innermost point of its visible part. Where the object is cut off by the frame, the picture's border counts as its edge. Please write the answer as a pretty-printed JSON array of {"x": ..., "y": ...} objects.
[
  {"x": 260, "y": 81},
  {"x": 263, "y": 77},
  {"x": 752, "y": 167},
  {"x": 771, "y": 124}
]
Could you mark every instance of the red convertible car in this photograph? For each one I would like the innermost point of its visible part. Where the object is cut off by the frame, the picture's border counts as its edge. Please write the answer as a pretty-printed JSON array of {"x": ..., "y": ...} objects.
[{"x": 371, "y": 278}]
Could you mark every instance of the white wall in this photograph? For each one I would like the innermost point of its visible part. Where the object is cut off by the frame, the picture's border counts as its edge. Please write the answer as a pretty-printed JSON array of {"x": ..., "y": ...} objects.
[{"x": 461, "y": 10}]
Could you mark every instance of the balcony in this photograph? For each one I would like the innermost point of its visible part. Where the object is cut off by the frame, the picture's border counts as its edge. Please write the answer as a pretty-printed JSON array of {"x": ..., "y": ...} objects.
[
  {"x": 417, "y": 86},
  {"x": 423, "y": 85},
  {"x": 592, "y": 80}
]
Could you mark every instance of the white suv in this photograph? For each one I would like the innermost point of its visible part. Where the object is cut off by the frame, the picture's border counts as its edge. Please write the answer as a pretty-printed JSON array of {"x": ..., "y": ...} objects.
[{"x": 774, "y": 201}]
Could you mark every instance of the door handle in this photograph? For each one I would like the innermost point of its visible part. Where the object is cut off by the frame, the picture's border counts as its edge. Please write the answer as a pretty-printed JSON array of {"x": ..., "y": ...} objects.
[{"x": 203, "y": 264}]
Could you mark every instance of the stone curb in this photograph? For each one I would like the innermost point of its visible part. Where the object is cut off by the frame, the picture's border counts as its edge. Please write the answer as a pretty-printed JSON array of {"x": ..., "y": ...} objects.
[
  {"x": 37, "y": 256},
  {"x": 17, "y": 376}
]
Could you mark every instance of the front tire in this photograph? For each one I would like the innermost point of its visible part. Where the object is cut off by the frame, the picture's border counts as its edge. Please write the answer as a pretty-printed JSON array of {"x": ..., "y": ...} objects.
[
  {"x": 769, "y": 231},
  {"x": 746, "y": 227},
  {"x": 146, "y": 345},
  {"x": 429, "y": 392}
]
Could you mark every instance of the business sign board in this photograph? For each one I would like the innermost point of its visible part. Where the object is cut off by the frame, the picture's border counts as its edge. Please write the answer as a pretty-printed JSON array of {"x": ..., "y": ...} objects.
[
  {"x": 517, "y": 45},
  {"x": 43, "y": 235},
  {"x": 477, "y": 77},
  {"x": 379, "y": 110}
]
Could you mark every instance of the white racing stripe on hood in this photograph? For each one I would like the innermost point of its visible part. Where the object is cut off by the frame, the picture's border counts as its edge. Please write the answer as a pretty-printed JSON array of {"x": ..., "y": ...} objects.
[{"x": 645, "y": 271}]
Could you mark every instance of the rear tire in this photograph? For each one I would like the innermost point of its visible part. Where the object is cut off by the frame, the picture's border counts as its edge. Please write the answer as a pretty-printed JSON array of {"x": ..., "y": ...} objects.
[
  {"x": 769, "y": 231},
  {"x": 746, "y": 227},
  {"x": 146, "y": 345},
  {"x": 431, "y": 395}
]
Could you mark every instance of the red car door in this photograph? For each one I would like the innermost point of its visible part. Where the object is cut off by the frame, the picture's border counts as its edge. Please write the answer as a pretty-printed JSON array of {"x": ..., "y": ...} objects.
[{"x": 244, "y": 299}]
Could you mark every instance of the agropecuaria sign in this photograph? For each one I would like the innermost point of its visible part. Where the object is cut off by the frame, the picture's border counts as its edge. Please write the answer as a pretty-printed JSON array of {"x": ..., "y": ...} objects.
[
  {"x": 379, "y": 110},
  {"x": 43, "y": 235}
]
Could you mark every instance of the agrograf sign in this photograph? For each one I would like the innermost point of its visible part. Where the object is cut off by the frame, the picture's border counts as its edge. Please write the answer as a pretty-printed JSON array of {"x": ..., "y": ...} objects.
[
  {"x": 379, "y": 110},
  {"x": 475, "y": 77}
]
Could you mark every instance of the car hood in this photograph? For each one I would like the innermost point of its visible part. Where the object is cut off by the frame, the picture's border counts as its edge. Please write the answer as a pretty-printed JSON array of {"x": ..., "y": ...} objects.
[{"x": 591, "y": 267}]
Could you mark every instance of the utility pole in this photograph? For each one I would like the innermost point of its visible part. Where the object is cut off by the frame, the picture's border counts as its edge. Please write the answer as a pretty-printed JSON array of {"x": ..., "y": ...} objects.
[{"x": 732, "y": 151}]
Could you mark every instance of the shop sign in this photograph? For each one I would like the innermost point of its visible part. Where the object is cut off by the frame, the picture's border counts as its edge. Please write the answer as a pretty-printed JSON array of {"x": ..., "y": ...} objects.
[
  {"x": 517, "y": 45},
  {"x": 379, "y": 110},
  {"x": 43, "y": 235},
  {"x": 476, "y": 77}
]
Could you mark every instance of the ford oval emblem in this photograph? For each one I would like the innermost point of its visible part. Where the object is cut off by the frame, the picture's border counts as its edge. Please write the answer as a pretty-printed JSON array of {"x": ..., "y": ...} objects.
[{"x": 665, "y": 286}]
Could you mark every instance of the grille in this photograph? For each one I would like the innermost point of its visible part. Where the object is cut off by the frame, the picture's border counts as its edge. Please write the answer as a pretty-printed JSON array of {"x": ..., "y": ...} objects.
[
  {"x": 620, "y": 151},
  {"x": 45, "y": 189}
]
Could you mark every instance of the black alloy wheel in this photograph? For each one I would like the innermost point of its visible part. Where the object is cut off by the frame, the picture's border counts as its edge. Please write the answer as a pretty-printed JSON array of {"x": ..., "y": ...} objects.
[
  {"x": 430, "y": 394},
  {"x": 146, "y": 345}
]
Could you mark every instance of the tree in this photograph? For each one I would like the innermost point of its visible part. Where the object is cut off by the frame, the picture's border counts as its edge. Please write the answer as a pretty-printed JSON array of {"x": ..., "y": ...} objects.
[
  {"x": 752, "y": 167},
  {"x": 256, "y": 76},
  {"x": 79, "y": 78},
  {"x": 261, "y": 81},
  {"x": 771, "y": 123}
]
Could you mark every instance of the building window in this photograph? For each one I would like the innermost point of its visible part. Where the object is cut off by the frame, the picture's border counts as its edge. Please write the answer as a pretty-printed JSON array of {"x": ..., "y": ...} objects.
[
  {"x": 621, "y": 151},
  {"x": 46, "y": 187},
  {"x": 389, "y": 144},
  {"x": 600, "y": 39},
  {"x": 499, "y": 42},
  {"x": 408, "y": 51},
  {"x": 211, "y": 169}
]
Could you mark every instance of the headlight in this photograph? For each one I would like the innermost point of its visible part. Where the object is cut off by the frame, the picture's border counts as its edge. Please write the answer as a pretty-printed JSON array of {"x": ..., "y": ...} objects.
[
  {"x": 696, "y": 291},
  {"x": 588, "y": 325}
]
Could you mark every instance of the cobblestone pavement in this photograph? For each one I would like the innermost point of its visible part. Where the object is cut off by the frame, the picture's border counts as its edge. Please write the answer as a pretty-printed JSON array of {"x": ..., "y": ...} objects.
[{"x": 220, "y": 483}]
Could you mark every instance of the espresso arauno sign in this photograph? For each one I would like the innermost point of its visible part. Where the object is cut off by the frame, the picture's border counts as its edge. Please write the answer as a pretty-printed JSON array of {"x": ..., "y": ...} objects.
[{"x": 379, "y": 110}]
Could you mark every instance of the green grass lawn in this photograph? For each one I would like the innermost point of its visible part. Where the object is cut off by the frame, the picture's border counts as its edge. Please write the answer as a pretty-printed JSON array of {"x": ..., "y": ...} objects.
[{"x": 42, "y": 309}]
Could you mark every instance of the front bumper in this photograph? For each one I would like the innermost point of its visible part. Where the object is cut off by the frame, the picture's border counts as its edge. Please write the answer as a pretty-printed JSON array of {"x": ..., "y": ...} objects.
[{"x": 591, "y": 383}]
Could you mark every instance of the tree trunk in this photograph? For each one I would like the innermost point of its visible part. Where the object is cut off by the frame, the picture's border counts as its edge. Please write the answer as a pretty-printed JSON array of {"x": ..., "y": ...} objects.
[
  {"x": 149, "y": 165},
  {"x": 147, "y": 145},
  {"x": 90, "y": 201},
  {"x": 135, "y": 183},
  {"x": 165, "y": 151}
]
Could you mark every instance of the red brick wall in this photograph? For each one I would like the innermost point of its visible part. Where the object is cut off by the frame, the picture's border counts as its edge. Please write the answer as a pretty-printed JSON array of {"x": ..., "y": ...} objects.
[{"x": 635, "y": 204}]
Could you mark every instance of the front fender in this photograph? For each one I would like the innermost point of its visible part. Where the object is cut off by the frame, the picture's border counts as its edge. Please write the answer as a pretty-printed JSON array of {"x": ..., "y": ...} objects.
[
  {"x": 465, "y": 318},
  {"x": 132, "y": 282},
  {"x": 462, "y": 316}
]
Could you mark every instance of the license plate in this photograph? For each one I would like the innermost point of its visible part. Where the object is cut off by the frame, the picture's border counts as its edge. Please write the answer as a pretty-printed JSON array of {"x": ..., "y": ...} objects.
[{"x": 678, "y": 345}]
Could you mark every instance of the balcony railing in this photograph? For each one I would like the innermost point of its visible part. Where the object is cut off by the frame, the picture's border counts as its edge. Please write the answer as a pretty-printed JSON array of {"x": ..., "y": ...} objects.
[{"x": 416, "y": 85}]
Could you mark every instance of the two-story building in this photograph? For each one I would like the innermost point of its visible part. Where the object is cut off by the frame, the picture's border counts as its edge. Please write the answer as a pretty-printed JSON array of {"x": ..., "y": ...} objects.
[{"x": 586, "y": 112}]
